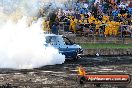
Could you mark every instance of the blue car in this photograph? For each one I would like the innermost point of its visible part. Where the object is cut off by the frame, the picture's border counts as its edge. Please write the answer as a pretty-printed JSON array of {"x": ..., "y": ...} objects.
[{"x": 64, "y": 45}]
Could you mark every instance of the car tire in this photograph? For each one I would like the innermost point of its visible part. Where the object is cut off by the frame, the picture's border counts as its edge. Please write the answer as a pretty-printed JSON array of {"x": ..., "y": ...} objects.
[{"x": 76, "y": 58}]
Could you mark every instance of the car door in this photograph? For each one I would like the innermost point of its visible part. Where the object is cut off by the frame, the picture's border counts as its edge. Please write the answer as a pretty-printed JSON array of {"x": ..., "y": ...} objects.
[{"x": 71, "y": 49}]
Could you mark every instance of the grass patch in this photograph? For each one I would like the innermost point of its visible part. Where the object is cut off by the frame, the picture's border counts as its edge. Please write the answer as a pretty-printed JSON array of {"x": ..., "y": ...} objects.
[{"x": 105, "y": 45}]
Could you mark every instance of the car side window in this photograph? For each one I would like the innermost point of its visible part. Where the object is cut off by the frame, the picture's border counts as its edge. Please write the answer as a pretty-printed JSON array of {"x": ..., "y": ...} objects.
[
  {"x": 67, "y": 41},
  {"x": 51, "y": 40},
  {"x": 48, "y": 40}
]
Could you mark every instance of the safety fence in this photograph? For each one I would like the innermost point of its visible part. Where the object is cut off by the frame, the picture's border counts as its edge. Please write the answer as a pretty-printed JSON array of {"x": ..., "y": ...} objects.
[{"x": 100, "y": 31}]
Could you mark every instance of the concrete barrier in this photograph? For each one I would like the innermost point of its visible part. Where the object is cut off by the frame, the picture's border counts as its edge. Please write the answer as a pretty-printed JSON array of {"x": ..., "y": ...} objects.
[
  {"x": 108, "y": 52},
  {"x": 100, "y": 40}
]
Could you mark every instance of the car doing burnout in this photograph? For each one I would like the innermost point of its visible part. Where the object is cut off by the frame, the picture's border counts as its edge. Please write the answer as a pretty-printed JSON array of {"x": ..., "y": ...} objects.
[{"x": 64, "y": 45}]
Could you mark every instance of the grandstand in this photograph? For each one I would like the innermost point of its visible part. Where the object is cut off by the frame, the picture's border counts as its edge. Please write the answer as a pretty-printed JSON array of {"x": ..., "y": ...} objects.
[{"x": 102, "y": 18}]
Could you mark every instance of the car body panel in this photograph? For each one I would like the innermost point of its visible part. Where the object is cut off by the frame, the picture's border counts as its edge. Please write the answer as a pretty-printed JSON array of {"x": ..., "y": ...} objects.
[{"x": 64, "y": 45}]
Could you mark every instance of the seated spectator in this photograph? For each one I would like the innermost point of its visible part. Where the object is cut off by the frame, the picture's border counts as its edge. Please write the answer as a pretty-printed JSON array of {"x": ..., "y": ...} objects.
[
  {"x": 81, "y": 24},
  {"x": 84, "y": 18},
  {"x": 91, "y": 18},
  {"x": 93, "y": 26},
  {"x": 102, "y": 27},
  {"x": 123, "y": 5},
  {"x": 123, "y": 11},
  {"x": 116, "y": 28},
  {"x": 77, "y": 16},
  {"x": 78, "y": 27},
  {"x": 86, "y": 26},
  {"x": 105, "y": 18},
  {"x": 100, "y": 17},
  {"x": 115, "y": 12},
  {"x": 108, "y": 28},
  {"x": 98, "y": 23},
  {"x": 82, "y": 11},
  {"x": 86, "y": 15}
]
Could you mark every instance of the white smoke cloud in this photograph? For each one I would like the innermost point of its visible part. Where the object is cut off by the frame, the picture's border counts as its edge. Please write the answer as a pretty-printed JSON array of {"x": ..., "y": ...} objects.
[
  {"x": 22, "y": 47},
  {"x": 27, "y": 7},
  {"x": 15, "y": 9}
]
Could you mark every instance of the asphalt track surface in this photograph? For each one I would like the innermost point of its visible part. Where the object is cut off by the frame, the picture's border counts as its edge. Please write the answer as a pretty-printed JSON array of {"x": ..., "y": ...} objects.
[{"x": 65, "y": 75}]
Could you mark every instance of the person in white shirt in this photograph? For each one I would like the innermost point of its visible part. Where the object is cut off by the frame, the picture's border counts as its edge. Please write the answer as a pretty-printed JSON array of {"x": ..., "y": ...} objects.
[
  {"x": 123, "y": 5},
  {"x": 97, "y": 1}
]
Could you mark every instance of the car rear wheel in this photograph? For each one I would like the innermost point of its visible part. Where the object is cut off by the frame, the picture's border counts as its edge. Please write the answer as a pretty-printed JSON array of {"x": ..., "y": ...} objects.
[{"x": 76, "y": 58}]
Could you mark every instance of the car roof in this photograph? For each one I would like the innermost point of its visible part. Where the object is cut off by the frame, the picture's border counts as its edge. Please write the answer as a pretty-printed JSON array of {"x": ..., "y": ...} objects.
[{"x": 52, "y": 35}]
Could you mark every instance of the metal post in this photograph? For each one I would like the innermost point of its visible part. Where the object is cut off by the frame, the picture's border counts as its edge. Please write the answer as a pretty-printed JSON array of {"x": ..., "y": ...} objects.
[
  {"x": 121, "y": 32},
  {"x": 63, "y": 27}
]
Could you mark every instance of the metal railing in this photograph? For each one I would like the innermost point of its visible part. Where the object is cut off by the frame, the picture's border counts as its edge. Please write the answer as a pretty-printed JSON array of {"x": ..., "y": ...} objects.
[{"x": 123, "y": 31}]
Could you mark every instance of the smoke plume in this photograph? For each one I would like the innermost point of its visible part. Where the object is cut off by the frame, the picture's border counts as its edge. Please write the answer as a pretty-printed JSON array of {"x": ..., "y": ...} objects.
[{"x": 22, "y": 46}]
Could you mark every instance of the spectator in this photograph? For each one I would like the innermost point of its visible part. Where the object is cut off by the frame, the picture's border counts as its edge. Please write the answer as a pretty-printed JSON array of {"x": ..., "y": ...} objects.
[
  {"x": 54, "y": 28},
  {"x": 123, "y": 5},
  {"x": 78, "y": 27},
  {"x": 123, "y": 11},
  {"x": 93, "y": 27},
  {"x": 103, "y": 15},
  {"x": 72, "y": 25},
  {"x": 46, "y": 26},
  {"x": 105, "y": 7},
  {"x": 94, "y": 10}
]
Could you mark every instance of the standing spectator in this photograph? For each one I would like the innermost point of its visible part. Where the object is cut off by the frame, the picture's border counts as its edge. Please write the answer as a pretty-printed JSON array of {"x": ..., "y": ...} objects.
[
  {"x": 52, "y": 18},
  {"x": 46, "y": 27},
  {"x": 98, "y": 23},
  {"x": 66, "y": 24},
  {"x": 54, "y": 28},
  {"x": 95, "y": 10},
  {"x": 123, "y": 10},
  {"x": 72, "y": 25}
]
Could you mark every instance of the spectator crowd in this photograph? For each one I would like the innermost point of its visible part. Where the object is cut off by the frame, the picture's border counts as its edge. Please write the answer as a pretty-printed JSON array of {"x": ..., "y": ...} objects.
[{"x": 107, "y": 17}]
